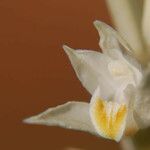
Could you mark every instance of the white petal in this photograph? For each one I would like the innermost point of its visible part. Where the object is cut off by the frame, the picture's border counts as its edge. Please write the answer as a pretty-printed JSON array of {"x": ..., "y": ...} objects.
[
  {"x": 92, "y": 69},
  {"x": 108, "y": 117},
  {"x": 72, "y": 115},
  {"x": 110, "y": 41},
  {"x": 127, "y": 15},
  {"x": 113, "y": 44}
]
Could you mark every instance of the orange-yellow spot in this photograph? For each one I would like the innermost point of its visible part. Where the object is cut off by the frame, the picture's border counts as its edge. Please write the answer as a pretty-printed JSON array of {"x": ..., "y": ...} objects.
[{"x": 109, "y": 118}]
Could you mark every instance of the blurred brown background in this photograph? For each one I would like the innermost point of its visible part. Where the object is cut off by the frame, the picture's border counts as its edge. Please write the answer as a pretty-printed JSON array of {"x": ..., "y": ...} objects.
[{"x": 36, "y": 74}]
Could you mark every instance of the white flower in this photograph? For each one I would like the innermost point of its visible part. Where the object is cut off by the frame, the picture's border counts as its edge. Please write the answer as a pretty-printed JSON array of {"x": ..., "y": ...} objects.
[{"x": 114, "y": 80}]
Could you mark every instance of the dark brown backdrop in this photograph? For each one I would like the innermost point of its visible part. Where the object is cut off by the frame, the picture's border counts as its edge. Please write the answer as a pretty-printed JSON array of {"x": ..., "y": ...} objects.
[{"x": 36, "y": 74}]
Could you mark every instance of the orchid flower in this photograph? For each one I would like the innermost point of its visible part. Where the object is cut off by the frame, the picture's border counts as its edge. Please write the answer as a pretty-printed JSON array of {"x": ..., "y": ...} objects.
[
  {"x": 118, "y": 80},
  {"x": 114, "y": 79}
]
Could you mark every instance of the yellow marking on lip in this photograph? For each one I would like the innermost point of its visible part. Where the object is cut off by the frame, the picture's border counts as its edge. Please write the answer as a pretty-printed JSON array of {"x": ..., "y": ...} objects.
[{"x": 109, "y": 118}]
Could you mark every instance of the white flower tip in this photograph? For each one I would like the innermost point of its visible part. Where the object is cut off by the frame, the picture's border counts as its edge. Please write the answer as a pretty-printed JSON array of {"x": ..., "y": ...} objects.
[
  {"x": 99, "y": 24},
  {"x": 67, "y": 48},
  {"x": 72, "y": 55},
  {"x": 31, "y": 120},
  {"x": 69, "y": 51}
]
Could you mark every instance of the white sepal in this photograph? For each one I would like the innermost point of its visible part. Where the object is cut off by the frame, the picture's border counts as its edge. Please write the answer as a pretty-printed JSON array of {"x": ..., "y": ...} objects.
[
  {"x": 111, "y": 42},
  {"x": 71, "y": 115},
  {"x": 91, "y": 68}
]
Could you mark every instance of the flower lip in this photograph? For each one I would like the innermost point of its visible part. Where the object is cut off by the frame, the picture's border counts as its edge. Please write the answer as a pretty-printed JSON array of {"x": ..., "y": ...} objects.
[{"x": 108, "y": 117}]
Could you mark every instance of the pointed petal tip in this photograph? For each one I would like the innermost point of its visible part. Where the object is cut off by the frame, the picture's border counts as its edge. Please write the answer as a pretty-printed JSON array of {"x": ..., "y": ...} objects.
[
  {"x": 98, "y": 24},
  {"x": 31, "y": 120},
  {"x": 67, "y": 48},
  {"x": 69, "y": 51}
]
